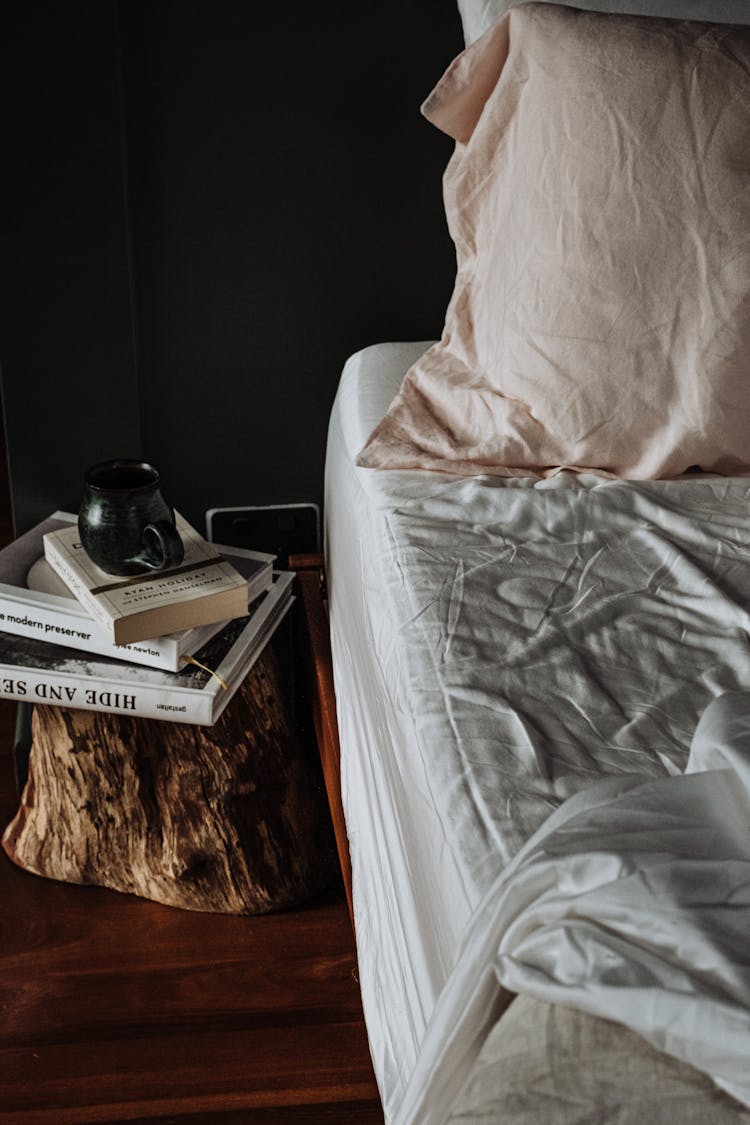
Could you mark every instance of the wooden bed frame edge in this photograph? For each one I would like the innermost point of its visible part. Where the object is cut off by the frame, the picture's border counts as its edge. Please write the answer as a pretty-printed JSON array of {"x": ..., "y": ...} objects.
[{"x": 318, "y": 669}]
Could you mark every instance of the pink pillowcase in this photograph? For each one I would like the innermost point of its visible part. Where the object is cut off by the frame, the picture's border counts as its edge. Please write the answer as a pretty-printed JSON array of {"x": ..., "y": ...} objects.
[{"x": 599, "y": 200}]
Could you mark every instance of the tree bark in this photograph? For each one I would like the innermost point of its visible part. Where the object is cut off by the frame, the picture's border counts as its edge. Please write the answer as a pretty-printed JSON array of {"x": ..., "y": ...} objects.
[{"x": 230, "y": 818}]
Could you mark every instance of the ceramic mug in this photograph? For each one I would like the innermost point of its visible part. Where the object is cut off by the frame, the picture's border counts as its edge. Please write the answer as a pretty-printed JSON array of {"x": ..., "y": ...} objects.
[{"x": 125, "y": 524}]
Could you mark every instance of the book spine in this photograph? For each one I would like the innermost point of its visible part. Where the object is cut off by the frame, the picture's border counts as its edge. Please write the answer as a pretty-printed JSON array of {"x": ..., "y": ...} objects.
[
  {"x": 61, "y": 628},
  {"x": 62, "y": 689},
  {"x": 61, "y": 566}
]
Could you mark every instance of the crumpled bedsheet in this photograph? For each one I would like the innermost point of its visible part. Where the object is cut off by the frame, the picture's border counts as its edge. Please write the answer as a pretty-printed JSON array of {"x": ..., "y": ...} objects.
[
  {"x": 632, "y": 903},
  {"x": 540, "y": 638}
]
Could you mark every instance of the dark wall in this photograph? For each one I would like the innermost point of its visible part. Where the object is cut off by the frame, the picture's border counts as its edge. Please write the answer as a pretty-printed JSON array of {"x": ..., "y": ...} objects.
[
  {"x": 67, "y": 353},
  {"x": 283, "y": 209}
]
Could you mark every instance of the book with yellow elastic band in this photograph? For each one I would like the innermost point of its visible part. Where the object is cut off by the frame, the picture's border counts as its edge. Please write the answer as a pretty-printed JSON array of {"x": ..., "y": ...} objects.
[{"x": 35, "y": 671}]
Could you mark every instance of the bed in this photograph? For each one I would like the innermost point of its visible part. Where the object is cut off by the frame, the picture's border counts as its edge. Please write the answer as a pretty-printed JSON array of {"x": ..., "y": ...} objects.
[{"x": 539, "y": 609}]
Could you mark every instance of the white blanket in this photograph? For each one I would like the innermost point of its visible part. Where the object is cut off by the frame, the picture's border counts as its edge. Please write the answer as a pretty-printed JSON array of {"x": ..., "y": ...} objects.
[{"x": 632, "y": 902}]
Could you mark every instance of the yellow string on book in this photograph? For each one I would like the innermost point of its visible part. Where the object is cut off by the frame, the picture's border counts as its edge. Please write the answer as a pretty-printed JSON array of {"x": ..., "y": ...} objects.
[{"x": 197, "y": 663}]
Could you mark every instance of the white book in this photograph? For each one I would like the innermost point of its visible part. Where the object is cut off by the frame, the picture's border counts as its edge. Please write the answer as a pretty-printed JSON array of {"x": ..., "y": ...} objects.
[
  {"x": 35, "y": 671},
  {"x": 203, "y": 589},
  {"x": 35, "y": 602}
]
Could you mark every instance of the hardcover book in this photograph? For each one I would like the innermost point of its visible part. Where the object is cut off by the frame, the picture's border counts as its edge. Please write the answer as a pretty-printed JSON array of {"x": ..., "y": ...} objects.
[
  {"x": 36, "y": 671},
  {"x": 35, "y": 602},
  {"x": 203, "y": 589}
]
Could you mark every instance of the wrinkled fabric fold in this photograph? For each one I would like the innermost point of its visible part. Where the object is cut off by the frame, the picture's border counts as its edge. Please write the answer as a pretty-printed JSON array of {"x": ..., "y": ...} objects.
[{"x": 632, "y": 903}]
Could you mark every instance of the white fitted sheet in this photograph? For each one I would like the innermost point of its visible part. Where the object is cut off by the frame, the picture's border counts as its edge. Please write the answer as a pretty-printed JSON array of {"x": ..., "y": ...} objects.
[{"x": 497, "y": 646}]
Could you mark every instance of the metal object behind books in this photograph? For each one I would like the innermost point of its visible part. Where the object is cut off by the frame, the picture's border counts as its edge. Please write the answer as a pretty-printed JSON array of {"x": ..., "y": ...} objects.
[{"x": 280, "y": 529}]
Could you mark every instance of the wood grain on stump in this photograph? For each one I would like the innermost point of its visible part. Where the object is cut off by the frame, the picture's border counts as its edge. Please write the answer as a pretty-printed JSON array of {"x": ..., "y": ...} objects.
[{"x": 230, "y": 818}]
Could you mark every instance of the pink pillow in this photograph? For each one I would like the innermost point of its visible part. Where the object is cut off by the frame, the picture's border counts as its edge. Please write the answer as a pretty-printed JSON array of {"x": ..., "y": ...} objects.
[{"x": 599, "y": 200}]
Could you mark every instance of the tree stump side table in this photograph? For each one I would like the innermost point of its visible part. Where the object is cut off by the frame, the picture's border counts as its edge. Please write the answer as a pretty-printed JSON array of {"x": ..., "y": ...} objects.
[{"x": 230, "y": 818}]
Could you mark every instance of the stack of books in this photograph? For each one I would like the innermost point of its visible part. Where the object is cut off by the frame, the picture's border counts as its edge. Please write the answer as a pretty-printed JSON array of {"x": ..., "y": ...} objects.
[{"x": 171, "y": 644}]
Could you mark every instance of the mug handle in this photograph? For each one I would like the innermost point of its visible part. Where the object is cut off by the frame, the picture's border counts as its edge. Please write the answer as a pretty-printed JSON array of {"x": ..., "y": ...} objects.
[{"x": 167, "y": 550}]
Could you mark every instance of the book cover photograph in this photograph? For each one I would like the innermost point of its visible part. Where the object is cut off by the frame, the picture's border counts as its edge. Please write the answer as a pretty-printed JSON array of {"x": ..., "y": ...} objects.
[
  {"x": 37, "y": 671},
  {"x": 204, "y": 588},
  {"x": 35, "y": 602}
]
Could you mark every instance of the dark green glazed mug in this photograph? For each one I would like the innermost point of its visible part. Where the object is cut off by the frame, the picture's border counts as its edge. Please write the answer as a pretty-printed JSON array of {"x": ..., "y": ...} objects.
[{"x": 125, "y": 524}]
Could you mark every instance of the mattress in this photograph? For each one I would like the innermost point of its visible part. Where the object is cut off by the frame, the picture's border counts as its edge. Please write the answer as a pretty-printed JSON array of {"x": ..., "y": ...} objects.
[
  {"x": 406, "y": 939},
  {"x": 499, "y": 645}
]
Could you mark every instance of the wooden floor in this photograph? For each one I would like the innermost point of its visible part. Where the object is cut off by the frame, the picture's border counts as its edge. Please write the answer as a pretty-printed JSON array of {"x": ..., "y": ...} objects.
[{"x": 116, "y": 1009}]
